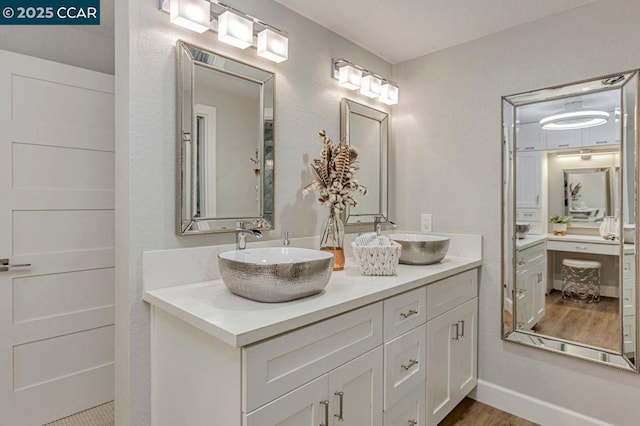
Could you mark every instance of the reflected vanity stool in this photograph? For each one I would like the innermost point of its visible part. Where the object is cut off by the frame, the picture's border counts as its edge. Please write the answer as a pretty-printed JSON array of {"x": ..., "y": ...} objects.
[{"x": 581, "y": 280}]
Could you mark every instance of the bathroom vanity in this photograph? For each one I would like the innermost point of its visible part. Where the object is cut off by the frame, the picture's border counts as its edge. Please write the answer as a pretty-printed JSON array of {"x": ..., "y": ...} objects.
[{"x": 395, "y": 350}]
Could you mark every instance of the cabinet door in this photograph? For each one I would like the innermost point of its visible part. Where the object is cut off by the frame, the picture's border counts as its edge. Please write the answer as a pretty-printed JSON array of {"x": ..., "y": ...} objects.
[
  {"x": 410, "y": 411},
  {"x": 441, "y": 332},
  {"x": 464, "y": 365},
  {"x": 539, "y": 277},
  {"x": 404, "y": 365},
  {"x": 607, "y": 134},
  {"x": 557, "y": 139},
  {"x": 529, "y": 137},
  {"x": 529, "y": 179},
  {"x": 524, "y": 310},
  {"x": 304, "y": 406},
  {"x": 356, "y": 391}
]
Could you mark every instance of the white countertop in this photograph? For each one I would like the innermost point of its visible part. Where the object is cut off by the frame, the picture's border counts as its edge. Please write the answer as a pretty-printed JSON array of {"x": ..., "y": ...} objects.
[
  {"x": 529, "y": 241},
  {"x": 212, "y": 308}
]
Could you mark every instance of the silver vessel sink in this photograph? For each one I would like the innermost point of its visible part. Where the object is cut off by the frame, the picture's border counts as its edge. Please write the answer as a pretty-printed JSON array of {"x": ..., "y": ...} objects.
[
  {"x": 421, "y": 249},
  {"x": 275, "y": 274}
]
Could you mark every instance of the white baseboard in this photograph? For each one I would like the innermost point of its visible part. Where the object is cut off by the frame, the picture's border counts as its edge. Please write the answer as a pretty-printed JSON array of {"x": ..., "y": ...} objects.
[{"x": 532, "y": 409}]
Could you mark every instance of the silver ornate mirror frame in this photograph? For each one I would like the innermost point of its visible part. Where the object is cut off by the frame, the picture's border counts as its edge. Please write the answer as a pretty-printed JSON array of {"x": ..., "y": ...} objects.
[
  {"x": 190, "y": 57},
  {"x": 379, "y": 187},
  {"x": 628, "y": 84}
]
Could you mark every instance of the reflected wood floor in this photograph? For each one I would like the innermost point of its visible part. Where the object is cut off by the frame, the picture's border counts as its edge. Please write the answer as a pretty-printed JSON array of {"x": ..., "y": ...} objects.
[
  {"x": 474, "y": 413},
  {"x": 596, "y": 324}
]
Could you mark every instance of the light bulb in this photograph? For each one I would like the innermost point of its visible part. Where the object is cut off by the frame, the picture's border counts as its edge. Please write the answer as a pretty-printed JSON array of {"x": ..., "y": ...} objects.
[
  {"x": 235, "y": 30},
  {"x": 191, "y": 14},
  {"x": 389, "y": 94},
  {"x": 350, "y": 77},
  {"x": 273, "y": 46},
  {"x": 371, "y": 86}
]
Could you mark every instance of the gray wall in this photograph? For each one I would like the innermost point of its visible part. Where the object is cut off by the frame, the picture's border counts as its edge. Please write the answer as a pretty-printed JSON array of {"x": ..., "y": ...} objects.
[
  {"x": 446, "y": 151},
  {"x": 307, "y": 100}
]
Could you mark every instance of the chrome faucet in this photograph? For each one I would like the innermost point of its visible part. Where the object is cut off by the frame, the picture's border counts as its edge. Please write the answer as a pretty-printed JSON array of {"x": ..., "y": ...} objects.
[
  {"x": 241, "y": 235},
  {"x": 286, "y": 241},
  {"x": 379, "y": 222}
]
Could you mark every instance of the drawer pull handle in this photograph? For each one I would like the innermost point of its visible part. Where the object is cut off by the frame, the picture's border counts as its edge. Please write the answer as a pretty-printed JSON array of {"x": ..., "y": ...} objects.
[
  {"x": 339, "y": 416},
  {"x": 462, "y": 332},
  {"x": 413, "y": 422},
  {"x": 457, "y": 326},
  {"x": 326, "y": 413},
  {"x": 5, "y": 265},
  {"x": 408, "y": 314},
  {"x": 582, "y": 248},
  {"x": 412, "y": 362}
]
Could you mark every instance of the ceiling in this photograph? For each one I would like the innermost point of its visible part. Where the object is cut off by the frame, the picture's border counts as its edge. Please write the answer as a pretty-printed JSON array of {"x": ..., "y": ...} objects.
[{"x": 405, "y": 29}]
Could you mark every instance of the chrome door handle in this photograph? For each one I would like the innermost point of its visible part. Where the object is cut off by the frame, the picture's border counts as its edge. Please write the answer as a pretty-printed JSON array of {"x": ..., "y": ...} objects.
[
  {"x": 339, "y": 416},
  {"x": 326, "y": 412},
  {"x": 5, "y": 265},
  {"x": 411, "y": 363},
  {"x": 408, "y": 314},
  {"x": 462, "y": 333},
  {"x": 457, "y": 332}
]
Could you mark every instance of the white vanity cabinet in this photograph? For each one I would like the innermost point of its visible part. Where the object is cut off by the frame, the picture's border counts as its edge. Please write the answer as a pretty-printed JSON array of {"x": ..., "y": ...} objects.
[
  {"x": 380, "y": 365},
  {"x": 531, "y": 284},
  {"x": 451, "y": 345}
]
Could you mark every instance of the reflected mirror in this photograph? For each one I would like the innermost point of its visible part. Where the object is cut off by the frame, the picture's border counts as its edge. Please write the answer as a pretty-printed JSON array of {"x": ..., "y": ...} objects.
[
  {"x": 367, "y": 129},
  {"x": 569, "y": 208},
  {"x": 225, "y": 142}
]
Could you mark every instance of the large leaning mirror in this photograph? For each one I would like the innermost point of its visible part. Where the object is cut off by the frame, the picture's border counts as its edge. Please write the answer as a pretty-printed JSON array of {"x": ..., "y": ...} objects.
[
  {"x": 225, "y": 142},
  {"x": 367, "y": 129},
  {"x": 568, "y": 207}
]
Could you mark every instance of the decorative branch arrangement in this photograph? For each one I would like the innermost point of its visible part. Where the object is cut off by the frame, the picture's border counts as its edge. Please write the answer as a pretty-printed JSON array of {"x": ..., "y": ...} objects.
[
  {"x": 575, "y": 190},
  {"x": 334, "y": 175}
]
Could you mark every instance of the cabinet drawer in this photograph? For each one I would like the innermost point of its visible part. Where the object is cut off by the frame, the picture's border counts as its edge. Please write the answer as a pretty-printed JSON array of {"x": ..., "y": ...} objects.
[
  {"x": 532, "y": 255},
  {"x": 525, "y": 215},
  {"x": 276, "y": 366},
  {"x": 445, "y": 295},
  {"x": 404, "y": 365},
  {"x": 404, "y": 312},
  {"x": 577, "y": 247},
  {"x": 411, "y": 410}
]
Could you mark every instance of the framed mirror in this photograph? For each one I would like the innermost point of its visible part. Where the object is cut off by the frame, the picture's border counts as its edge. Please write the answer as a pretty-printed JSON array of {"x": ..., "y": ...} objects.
[
  {"x": 225, "y": 142},
  {"x": 367, "y": 129},
  {"x": 569, "y": 203}
]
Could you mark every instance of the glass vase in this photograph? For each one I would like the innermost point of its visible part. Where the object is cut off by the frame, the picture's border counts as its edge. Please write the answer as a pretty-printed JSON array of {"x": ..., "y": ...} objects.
[{"x": 332, "y": 239}]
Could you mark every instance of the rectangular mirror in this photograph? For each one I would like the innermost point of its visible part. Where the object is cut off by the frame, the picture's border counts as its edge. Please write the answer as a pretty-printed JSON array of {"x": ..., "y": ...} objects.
[
  {"x": 569, "y": 207},
  {"x": 367, "y": 129},
  {"x": 225, "y": 142}
]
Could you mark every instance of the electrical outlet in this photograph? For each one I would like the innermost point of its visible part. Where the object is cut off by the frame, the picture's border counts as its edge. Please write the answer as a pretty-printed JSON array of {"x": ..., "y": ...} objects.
[{"x": 426, "y": 225}]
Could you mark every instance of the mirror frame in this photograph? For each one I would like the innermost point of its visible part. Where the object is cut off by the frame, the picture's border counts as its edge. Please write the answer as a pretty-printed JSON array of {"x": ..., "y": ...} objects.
[
  {"x": 348, "y": 107},
  {"x": 188, "y": 57},
  {"x": 508, "y": 219}
]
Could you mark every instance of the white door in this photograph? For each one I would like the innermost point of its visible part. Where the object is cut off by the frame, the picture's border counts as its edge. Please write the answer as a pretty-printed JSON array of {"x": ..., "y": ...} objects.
[
  {"x": 56, "y": 214},
  {"x": 306, "y": 406},
  {"x": 356, "y": 391},
  {"x": 441, "y": 332},
  {"x": 528, "y": 181},
  {"x": 464, "y": 365}
]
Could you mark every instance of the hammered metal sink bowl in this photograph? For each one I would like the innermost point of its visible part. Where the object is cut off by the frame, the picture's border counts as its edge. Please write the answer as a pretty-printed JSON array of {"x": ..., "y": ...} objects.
[
  {"x": 420, "y": 249},
  {"x": 275, "y": 274}
]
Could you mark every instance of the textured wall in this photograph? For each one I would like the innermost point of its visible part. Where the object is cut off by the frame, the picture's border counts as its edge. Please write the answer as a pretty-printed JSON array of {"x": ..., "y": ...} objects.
[
  {"x": 307, "y": 100},
  {"x": 446, "y": 151}
]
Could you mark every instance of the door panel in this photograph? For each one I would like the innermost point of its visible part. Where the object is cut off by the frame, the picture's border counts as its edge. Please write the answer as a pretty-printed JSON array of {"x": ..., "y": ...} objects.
[
  {"x": 57, "y": 192},
  {"x": 464, "y": 363},
  {"x": 360, "y": 381},
  {"x": 440, "y": 335}
]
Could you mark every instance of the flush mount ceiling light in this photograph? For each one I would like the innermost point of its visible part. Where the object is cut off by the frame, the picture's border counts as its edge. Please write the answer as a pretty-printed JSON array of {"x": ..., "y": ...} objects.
[
  {"x": 191, "y": 14},
  {"x": 370, "y": 84},
  {"x": 233, "y": 26},
  {"x": 575, "y": 118}
]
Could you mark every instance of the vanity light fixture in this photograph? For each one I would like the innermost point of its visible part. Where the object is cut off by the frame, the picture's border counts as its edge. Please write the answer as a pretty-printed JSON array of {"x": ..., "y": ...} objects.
[
  {"x": 575, "y": 118},
  {"x": 233, "y": 26},
  {"x": 585, "y": 154},
  {"x": 193, "y": 15},
  {"x": 370, "y": 84},
  {"x": 235, "y": 30},
  {"x": 273, "y": 45}
]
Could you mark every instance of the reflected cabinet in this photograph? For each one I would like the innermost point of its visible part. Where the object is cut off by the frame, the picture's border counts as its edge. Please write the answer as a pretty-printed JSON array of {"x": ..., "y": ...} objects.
[{"x": 569, "y": 188}]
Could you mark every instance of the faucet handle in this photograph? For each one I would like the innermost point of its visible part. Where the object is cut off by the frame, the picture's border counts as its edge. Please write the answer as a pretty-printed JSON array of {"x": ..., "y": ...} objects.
[{"x": 286, "y": 241}]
